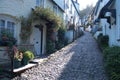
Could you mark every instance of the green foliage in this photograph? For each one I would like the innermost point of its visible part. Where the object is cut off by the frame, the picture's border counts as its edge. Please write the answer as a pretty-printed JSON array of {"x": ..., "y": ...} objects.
[
  {"x": 48, "y": 15},
  {"x": 71, "y": 27},
  {"x": 61, "y": 38},
  {"x": 29, "y": 55},
  {"x": 59, "y": 45},
  {"x": 19, "y": 56},
  {"x": 39, "y": 13},
  {"x": 103, "y": 40},
  {"x": 0, "y": 69},
  {"x": 26, "y": 28},
  {"x": 61, "y": 34},
  {"x": 112, "y": 62},
  {"x": 7, "y": 38},
  {"x": 50, "y": 48}
]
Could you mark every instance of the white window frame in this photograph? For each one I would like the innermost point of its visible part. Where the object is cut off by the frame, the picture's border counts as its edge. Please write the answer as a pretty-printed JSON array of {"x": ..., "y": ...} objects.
[
  {"x": 12, "y": 30},
  {"x": 11, "y": 27}
]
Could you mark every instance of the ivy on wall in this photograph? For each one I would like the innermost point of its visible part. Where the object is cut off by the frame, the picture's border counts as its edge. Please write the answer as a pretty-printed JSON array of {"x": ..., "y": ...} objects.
[
  {"x": 48, "y": 15},
  {"x": 39, "y": 13},
  {"x": 26, "y": 28}
]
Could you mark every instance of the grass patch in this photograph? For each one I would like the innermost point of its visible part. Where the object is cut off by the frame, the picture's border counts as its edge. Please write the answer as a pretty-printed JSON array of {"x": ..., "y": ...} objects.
[{"x": 112, "y": 62}]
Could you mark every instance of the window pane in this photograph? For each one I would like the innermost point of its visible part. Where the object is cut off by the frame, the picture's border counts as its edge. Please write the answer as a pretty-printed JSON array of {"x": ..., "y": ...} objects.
[
  {"x": 2, "y": 23},
  {"x": 2, "y": 26},
  {"x": 55, "y": 9},
  {"x": 10, "y": 27},
  {"x": 37, "y": 2}
]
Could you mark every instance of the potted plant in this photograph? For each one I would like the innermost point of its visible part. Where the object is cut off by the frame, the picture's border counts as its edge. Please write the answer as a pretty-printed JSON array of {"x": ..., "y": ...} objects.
[
  {"x": 17, "y": 59},
  {"x": 7, "y": 38},
  {"x": 27, "y": 56}
]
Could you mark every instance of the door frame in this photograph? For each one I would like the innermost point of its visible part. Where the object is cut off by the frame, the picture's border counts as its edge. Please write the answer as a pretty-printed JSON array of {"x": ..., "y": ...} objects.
[{"x": 40, "y": 27}]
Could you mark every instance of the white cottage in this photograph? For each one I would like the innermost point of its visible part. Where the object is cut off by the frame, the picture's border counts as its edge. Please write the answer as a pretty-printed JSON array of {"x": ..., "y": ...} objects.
[
  {"x": 71, "y": 16},
  {"x": 108, "y": 16},
  {"x": 11, "y": 11}
]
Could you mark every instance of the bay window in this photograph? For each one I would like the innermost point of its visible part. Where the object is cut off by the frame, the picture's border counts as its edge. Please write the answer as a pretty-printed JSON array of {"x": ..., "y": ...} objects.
[{"x": 7, "y": 26}]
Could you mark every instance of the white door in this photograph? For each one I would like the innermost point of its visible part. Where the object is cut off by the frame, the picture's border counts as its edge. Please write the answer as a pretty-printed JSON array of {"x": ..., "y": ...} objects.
[{"x": 37, "y": 40}]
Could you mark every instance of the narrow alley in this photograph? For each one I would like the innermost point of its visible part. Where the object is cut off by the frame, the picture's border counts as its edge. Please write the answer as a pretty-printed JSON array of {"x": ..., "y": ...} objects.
[{"x": 81, "y": 60}]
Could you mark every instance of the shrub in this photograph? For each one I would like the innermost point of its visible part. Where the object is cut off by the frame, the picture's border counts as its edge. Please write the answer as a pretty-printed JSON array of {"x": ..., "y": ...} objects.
[
  {"x": 59, "y": 45},
  {"x": 112, "y": 62},
  {"x": 7, "y": 38},
  {"x": 50, "y": 48},
  {"x": 80, "y": 33},
  {"x": 103, "y": 40},
  {"x": 29, "y": 55},
  {"x": 71, "y": 27},
  {"x": 62, "y": 41}
]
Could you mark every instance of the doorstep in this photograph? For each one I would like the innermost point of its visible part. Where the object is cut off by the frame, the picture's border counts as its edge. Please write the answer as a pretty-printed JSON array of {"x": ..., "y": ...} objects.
[
  {"x": 31, "y": 64},
  {"x": 38, "y": 61},
  {"x": 28, "y": 66}
]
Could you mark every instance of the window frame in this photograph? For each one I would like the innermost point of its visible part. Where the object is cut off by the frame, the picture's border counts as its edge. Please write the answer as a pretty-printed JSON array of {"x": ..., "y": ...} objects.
[
  {"x": 10, "y": 28},
  {"x": 2, "y": 26}
]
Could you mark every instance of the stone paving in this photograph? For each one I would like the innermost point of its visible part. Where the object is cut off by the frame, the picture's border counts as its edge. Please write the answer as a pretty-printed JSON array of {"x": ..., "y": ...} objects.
[{"x": 81, "y": 60}]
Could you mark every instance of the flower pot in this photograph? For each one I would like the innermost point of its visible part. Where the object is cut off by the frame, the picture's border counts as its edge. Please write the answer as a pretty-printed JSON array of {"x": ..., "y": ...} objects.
[
  {"x": 17, "y": 63},
  {"x": 25, "y": 61}
]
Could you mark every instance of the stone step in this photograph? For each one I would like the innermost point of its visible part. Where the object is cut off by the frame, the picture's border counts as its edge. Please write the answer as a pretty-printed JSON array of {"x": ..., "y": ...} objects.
[{"x": 21, "y": 69}]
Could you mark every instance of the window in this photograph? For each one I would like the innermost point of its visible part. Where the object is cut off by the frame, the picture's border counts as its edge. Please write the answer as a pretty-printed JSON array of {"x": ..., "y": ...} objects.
[
  {"x": 40, "y": 3},
  {"x": 37, "y": 2},
  {"x": 2, "y": 23},
  {"x": 55, "y": 9},
  {"x": 10, "y": 27}
]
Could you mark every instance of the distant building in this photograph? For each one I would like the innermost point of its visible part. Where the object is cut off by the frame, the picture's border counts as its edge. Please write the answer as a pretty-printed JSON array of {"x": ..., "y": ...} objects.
[{"x": 107, "y": 12}]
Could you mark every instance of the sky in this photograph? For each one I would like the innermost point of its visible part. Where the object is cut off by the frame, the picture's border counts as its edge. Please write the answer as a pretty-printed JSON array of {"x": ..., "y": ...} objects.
[{"x": 84, "y": 3}]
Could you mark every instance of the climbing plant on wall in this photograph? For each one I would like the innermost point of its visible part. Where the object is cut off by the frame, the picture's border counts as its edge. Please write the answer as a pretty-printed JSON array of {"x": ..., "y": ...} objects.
[
  {"x": 52, "y": 21},
  {"x": 48, "y": 15},
  {"x": 39, "y": 13},
  {"x": 26, "y": 28}
]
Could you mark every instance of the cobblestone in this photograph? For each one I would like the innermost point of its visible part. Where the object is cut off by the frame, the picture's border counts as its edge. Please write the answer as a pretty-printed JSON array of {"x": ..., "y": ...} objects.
[{"x": 81, "y": 60}]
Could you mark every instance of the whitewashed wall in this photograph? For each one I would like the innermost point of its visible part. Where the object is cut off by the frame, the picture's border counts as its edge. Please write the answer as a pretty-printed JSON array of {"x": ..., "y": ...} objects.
[
  {"x": 13, "y": 10},
  {"x": 51, "y": 4},
  {"x": 117, "y": 22}
]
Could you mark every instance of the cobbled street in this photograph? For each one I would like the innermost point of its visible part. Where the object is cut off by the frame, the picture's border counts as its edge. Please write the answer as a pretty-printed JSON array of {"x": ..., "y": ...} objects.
[{"x": 80, "y": 60}]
